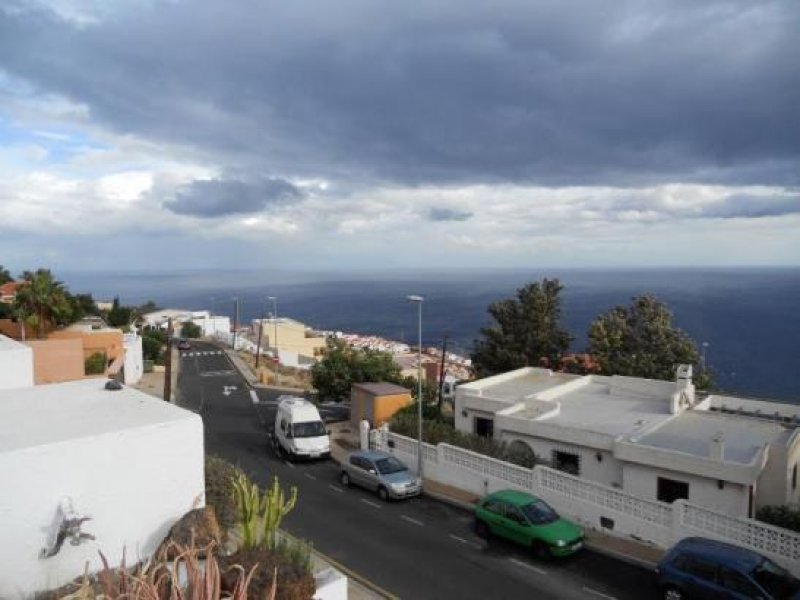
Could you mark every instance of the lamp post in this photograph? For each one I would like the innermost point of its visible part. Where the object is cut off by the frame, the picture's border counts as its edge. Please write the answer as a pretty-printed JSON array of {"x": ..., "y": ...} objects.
[
  {"x": 418, "y": 301},
  {"x": 235, "y": 320},
  {"x": 275, "y": 322},
  {"x": 703, "y": 356}
]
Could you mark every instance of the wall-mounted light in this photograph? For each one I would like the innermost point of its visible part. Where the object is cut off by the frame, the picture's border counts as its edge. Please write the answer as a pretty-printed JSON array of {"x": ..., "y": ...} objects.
[
  {"x": 599, "y": 457},
  {"x": 464, "y": 413},
  {"x": 720, "y": 483}
]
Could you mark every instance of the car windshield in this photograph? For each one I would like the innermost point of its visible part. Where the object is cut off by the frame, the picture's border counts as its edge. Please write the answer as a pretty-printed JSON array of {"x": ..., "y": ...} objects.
[
  {"x": 540, "y": 513},
  {"x": 389, "y": 465},
  {"x": 774, "y": 579},
  {"x": 309, "y": 429}
]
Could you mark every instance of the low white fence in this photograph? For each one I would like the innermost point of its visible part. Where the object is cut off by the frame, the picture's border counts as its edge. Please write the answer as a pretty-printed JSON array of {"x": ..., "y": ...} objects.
[{"x": 593, "y": 504}]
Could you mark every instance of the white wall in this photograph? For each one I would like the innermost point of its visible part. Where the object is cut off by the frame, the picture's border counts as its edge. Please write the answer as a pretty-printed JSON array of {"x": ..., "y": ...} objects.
[
  {"x": 16, "y": 364},
  {"x": 732, "y": 499},
  {"x": 134, "y": 358},
  {"x": 134, "y": 483}
]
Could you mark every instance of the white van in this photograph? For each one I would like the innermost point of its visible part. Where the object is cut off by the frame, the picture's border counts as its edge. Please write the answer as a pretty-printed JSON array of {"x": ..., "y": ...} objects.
[{"x": 299, "y": 430}]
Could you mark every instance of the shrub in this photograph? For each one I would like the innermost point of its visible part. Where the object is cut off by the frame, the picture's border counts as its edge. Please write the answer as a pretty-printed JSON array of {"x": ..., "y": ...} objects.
[
  {"x": 787, "y": 517},
  {"x": 220, "y": 475},
  {"x": 191, "y": 330},
  {"x": 294, "y": 583},
  {"x": 442, "y": 432},
  {"x": 259, "y": 516},
  {"x": 95, "y": 364}
]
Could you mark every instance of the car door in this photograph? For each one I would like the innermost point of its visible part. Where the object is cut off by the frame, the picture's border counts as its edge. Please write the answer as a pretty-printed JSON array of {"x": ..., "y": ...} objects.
[
  {"x": 738, "y": 586},
  {"x": 493, "y": 514},
  {"x": 357, "y": 471},
  {"x": 371, "y": 480},
  {"x": 702, "y": 579},
  {"x": 517, "y": 525}
]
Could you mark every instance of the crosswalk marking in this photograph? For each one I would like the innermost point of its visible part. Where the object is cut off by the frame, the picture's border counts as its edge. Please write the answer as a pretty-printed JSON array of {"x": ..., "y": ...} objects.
[{"x": 205, "y": 353}]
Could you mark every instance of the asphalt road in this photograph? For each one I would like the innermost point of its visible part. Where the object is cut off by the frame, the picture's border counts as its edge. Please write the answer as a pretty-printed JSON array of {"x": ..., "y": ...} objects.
[{"x": 419, "y": 548}]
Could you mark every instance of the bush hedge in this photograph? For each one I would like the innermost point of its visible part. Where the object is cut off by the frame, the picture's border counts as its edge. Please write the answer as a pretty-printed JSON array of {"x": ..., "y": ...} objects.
[{"x": 787, "y": 517}]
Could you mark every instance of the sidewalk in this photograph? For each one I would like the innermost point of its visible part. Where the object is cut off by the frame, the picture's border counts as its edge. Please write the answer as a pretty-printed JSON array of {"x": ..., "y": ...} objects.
[{"x": 624, "y": 549}]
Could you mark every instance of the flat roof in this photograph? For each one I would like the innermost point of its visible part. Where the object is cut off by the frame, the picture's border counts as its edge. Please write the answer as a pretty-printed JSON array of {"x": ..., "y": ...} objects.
[
  {"x": 593, "y": 407},
  {"x": 526, "y": 384},
  {"x": 381, "y": 388},
  {"x": 9, "y": 345},
  {"x": 691, "y": 433},
  {"x": 48, "y": 414}
]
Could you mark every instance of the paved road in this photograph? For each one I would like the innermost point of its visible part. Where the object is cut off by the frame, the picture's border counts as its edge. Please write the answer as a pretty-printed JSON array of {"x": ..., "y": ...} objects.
[{"x": 414, "y": 549}]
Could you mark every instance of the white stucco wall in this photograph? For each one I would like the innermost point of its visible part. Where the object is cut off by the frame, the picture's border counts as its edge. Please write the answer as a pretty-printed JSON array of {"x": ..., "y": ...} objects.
[
  {"x": 134, "y": 358},
  {"x": 134, "y": 483},
  {"x": 16, "y": 364},
  {"x": 642, "y": 481}
]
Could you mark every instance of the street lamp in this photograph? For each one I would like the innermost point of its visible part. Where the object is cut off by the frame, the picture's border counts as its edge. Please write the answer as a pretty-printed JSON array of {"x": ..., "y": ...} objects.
[
  {"x": 418, "y": 301},
  {"x": 275, "y": 322},
  {"x": 703, "y": 356},
  {"x": 235, "y": 319}
]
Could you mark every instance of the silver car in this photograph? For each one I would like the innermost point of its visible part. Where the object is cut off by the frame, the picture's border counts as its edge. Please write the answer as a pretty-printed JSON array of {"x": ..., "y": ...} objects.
[{"x": 380, "y": 472}]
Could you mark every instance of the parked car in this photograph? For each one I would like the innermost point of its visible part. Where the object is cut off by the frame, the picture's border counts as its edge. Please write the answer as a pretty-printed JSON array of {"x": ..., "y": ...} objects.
[
  {"x": 299, "y": 429},
  {"x": 529, "y": 521},
  {"x": 184, "y": 345},
  {"x": 380, "y": 472},
  {"x": 698, "y": 567}
]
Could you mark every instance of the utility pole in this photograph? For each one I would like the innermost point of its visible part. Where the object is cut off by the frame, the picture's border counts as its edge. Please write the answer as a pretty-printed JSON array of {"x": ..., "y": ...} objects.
[
  {"x": 168, "y": 364},
  {"x": 235, "y": 320},
  {"x": 441, "y": 371},
  {"x": 260, "y": 331},
  {"x": 277, "y": 363}
]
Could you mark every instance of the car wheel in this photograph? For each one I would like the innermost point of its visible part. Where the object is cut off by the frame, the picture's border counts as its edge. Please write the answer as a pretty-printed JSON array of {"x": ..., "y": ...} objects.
[
  {"x": 482, "y": 529},
  {"x": 344, "y": 478},
  {"x": 383, "y": 494},
  {"x": 540, "y": 550},
  {"x": 672, "y": 593}
]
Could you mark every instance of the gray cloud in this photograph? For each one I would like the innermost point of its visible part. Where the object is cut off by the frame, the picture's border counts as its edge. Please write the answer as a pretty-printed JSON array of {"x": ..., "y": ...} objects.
[
  {"x": 752, "y": 207},
  {"x": 448, "y": 214},
  {"x": 223, "y": 197},
  {"x": 545, "y": 92}
]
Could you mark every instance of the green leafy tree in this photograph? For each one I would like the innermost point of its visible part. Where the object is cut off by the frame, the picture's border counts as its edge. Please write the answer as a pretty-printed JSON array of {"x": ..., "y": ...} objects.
[
  {"x": 342, "y": 366},
  {"x": 43, "y": 301},
  {"x": 95, "y": 364},
  {"x": 5, "y": 275},
  {"x": 641, "y": 341},
  {"x": 191, "y": 330},
  {"x": 119, "y": 316},
  {"x": 83, "y": 305},
  {"x": 526, "y": 331}
]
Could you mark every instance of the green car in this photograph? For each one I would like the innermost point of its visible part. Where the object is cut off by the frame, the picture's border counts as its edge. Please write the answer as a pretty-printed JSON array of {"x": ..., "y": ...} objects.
[{"x": 529, "y": 521}]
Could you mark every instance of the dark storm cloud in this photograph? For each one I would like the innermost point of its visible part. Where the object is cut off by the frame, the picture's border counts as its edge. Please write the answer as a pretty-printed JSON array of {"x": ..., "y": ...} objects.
[
  {"x": 220, "y": 197},
  {"x": 752, "y": 207},
  {"x": 448, "y": 214},
  {"x": 553, "y": 93}
]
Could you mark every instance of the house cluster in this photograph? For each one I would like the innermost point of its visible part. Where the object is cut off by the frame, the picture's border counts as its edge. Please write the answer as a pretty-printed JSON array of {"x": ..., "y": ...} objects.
[
  {"x": 656, "y": 439},
  {"x": 209, "y": 324}
]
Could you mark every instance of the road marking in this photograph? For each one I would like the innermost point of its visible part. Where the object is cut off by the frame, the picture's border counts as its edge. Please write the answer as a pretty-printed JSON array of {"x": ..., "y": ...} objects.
[
  {"x": 310, "y": 476},
  {"x": 598, "y": 594},
  {"x": 254, "y": 396},
  {"x": 371, "y": 503},
  {"x": 410, "y": 520},
  {"x": 288, "y": 464},
  {"x": 459, "y": 539},
  {"x": 336, "y": 489},
  {"x": 475, "y": 545},
  {"x": 216, "y": 373},
  {"x": 527, "y": 566}
]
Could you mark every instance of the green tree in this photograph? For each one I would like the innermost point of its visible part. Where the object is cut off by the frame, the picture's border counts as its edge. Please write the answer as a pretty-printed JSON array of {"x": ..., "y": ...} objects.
[
  {"x": 82, "y": 305},
  {"x": 43, "y": 301},
  {"x": 191, "y": 330},
  {"x": 641, "y": 341},
  {"x": 525, "y": 331},
  {"x": 5, "y": 275},
  {"x": 119, "y": 316},
  {"x": 95, "y": 364},
  {"x": 342, "y": 366}
]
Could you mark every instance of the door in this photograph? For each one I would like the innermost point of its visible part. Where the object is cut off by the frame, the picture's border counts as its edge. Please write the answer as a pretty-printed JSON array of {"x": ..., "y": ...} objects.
[
  {"x": 357, "y": 471},
  {"x": 702, "y": 579},
  {"x": 493, "y": 515},
  {"x": 517, "y": 525},
  {"x": 370, "y": 475}
]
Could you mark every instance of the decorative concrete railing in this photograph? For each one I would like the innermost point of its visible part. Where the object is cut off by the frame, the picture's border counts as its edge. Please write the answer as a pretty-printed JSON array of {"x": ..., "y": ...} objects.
[{"x": 612, "y": 510}]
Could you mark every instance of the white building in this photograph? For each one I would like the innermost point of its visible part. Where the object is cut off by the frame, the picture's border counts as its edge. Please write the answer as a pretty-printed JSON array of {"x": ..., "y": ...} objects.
[
  {"x": 16, "y": 361},
  {"x": 130, "y": 463},
  {"x": 134, "y": 358},
  {"x": 650, "y": 438},
  {"x": 211, "y": 325}
]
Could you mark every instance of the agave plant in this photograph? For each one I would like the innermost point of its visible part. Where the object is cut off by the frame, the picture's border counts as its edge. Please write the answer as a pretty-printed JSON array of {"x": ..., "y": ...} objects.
[{"x": 259, "y": 516}]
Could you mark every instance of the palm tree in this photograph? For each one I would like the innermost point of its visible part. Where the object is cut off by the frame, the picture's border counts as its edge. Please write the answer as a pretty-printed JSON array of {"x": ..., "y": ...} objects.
[{"x": 42, "y": 300}]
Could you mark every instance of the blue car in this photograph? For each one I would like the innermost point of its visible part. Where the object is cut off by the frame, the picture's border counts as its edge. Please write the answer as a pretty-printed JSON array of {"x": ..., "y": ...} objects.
[{"x": 702, "y": 568}]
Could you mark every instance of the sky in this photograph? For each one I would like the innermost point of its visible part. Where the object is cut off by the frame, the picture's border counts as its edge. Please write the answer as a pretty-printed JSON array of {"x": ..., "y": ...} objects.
[{"x": 209, "y": 134}]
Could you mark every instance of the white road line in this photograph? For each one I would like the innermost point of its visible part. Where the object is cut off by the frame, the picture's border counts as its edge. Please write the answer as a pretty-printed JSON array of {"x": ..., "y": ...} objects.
[
  {"x": 459, "y": 539},
  {"x": 371, "y": 503},
  {"x": 336, "y": 489},
  {"x": 527, "y": 566},
  {"x": 254, "y": 396},
  {"x": 410, "y": 520},
  {"x": 310, "y": 476},
  {"x": 288, "y": 464},
  {"x": 475, "y": 545},
  {"x": 598, "y": 594}
]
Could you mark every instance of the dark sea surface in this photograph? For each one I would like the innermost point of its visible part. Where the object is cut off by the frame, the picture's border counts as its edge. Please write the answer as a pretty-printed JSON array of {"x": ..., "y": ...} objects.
[{"x": 750, "y": 318}]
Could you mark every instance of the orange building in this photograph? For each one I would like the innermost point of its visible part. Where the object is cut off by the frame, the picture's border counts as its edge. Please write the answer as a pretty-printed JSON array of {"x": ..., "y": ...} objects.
[
  {"x": 96, "y": 339},
  {"x": 376, "y": 402},
  {"x": 55, "y": 361}
]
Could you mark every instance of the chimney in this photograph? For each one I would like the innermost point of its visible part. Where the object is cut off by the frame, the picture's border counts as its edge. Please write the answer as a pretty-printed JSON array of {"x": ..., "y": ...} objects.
[
  {"x": 716, "y": 447},
  {"x": 684, "y": 385}
]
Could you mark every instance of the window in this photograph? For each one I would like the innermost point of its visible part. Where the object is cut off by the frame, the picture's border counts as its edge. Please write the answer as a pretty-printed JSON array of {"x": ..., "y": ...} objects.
[
  {"x": 567, "y": 462},
  {"x": 670, "y": 490},
  {"x": 700, "y": 568},
  {"x": 540, "y": 513},
  {"x": 494, "y": 506},
  {"x": 738, "y": 583},
  {"x": 512, "y": 514},
  {"x": 361, "y": 463},
  {"x": 484, "y": 427},
  {"x": 389, "y": 465}
]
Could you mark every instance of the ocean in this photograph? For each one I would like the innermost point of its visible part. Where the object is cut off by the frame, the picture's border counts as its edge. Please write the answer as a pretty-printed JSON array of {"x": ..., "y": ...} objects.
[{"x": 750, "y": 318}]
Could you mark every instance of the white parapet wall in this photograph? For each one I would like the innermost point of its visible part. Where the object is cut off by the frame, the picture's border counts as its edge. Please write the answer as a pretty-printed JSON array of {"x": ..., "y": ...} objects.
[
  {"x": 130, "y": 463},
  {"x": 16, "y": 364}
]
